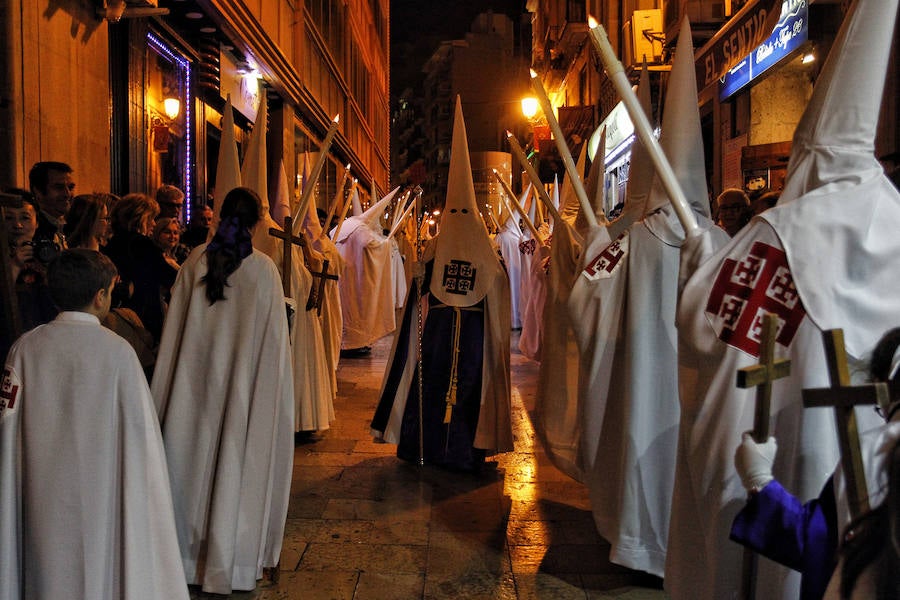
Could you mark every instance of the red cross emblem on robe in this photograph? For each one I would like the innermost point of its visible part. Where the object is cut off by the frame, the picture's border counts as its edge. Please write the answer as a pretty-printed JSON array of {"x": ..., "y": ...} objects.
[
  {"x": 9, "y": 390},
  {"x": 604, "y": 264},
  {"x": 745, "y": 290}
]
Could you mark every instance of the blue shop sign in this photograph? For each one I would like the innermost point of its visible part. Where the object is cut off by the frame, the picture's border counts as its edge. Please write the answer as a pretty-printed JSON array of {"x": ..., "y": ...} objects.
[{"x": 791, "y": 32}]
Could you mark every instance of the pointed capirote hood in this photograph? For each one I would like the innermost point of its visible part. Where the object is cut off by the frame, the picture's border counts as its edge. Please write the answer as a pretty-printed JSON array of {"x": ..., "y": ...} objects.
[
  {"x": 682, "y": 137},
  {"x": 228, "y": 165},
  {"x": 356, "y": 208},
  {"x": 595, "y": 186},
  {"x": 837, "y": 215},
  {"x": 254, "y": 170},
  {"x": 371, "y": 218},
  {"x": 640, "y": 171},
  {"x": 281, "y": 199},
  {"x": 567, "y": 202},
  {"x": 466, "y": 264}
]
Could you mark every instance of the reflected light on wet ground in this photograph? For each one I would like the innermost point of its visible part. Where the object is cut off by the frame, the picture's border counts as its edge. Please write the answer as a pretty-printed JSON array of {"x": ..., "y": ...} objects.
[{"x": 363, "y": 525}]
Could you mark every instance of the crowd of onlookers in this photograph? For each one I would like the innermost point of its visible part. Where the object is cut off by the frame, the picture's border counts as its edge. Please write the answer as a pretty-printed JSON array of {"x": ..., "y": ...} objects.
[
  {"x": 144, "y": 236},
  {"x": 734, "y": 207}
]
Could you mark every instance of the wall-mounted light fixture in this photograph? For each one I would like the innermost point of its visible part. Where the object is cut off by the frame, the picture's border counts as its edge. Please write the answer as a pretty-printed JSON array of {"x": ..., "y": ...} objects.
[
  {"x": 172, "y": 107},
  {"x": 529, "y": 106}
]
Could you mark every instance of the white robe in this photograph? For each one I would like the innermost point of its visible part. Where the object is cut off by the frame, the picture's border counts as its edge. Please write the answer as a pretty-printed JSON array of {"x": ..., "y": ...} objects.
[
  {"x": 624, "y": 303},
  {"x": 367, "y": 297},
  {"x": 224, "y": 391},
  {"x": 508, "y": 241},
  {"x": 534, "y": 279},
  {"x": 556, "y": 420},
  {"x": 86, "y": 506},
  {"x": 314, "y": 386},
  {"x": 398, "y": 275},
  {"x": 702, "y": 562}
]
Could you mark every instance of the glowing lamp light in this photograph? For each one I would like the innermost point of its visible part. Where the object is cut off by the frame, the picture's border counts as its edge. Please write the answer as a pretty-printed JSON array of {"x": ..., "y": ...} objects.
[
  {"x": 808, "y": 58},
  {"x": 529, "y": 107},
  {"x": 172, "y": 106}
]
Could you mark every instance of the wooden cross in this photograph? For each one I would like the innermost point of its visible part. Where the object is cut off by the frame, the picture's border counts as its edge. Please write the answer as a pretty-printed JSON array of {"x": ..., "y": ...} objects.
[
  {"x": 317, "y": 292},
  {"x": 286, "y": 260},
  {"x": 843, "y": 397},
  {"x": 11, "y": 324},
  {"x": 761, "y": 377}
]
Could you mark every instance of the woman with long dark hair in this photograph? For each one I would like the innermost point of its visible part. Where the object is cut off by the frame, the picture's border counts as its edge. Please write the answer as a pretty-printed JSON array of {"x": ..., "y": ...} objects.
[{"x": 223, "y": 387}]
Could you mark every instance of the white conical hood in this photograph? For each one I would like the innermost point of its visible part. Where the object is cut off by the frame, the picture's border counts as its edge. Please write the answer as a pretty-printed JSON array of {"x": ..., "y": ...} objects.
[
  {"x": 466, "y": 265},
  {"x": 228, "y": 166},
  {"x": 571, "y": 207},
  {"x": 682, "y": 137},
  {"x": 640, "y": 171},
  {"x": 837, "y": 216},
  {"x": 371, "y": 218},
  {"x": 254, "y": 172},
  {"x": 836, "y": 135},
  {"x": 595, "y": 186},
  {"x": 355, "y": 205},
  {"x": 281, "y": 201}
]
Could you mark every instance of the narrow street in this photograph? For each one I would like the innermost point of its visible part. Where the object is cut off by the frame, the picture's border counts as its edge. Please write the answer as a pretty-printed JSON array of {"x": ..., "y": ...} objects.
[{"x": 364, "y": 525}]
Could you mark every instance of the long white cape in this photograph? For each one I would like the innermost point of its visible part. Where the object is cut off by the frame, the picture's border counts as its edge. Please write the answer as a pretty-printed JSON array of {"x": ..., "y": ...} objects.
[{"x": 224, "y": 390}]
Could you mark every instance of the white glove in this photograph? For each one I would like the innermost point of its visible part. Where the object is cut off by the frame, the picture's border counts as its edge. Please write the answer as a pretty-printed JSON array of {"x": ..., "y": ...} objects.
[{"x": 754, "y": 462}]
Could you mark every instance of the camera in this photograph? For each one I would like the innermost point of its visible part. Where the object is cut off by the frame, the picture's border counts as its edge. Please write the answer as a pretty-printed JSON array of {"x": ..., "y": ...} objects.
[{"x": 44, "y": 250}]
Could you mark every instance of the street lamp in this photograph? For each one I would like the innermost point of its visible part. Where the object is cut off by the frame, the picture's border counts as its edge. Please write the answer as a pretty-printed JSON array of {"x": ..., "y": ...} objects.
[{"x": 530, "y": 107}]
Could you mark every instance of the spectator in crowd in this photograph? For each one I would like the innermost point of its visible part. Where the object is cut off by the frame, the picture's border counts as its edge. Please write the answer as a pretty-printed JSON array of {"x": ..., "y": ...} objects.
[
  {"x": 87, "y": 222},
  {"x": 732, "y": 210},
  {"x": 28, "y": 273},
  {"x": 764, "y": 201},
  {"x": 167, "y": 235},
  {"x": 140, "y": 262},
  {"x": 53, "y": 188},
  {"x": 198, "y": 229},
  {"x": 171, "y": 202}
]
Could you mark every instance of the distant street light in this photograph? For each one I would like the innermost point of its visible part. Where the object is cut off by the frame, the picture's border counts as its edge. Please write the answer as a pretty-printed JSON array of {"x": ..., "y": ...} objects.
[{"x": 530, "y": 107}]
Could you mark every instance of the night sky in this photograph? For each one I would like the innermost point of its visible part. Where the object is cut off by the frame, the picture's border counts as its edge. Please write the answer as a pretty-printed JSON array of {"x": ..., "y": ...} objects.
[{"x": 419, "y": 26}]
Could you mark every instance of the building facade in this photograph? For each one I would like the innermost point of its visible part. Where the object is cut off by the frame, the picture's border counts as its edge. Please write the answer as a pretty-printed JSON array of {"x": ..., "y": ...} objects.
[
  {"x": 84, "y": 87},
  {"x": 750, "y": 105}
]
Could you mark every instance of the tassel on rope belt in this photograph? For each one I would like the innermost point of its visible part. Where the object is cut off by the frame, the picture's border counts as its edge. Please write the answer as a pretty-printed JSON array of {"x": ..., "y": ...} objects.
[{"x": 450, "y": 398}]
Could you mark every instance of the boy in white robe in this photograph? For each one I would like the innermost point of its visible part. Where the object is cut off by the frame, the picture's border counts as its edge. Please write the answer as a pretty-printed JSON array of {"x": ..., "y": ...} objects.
[{"x": 86, "y": 505}]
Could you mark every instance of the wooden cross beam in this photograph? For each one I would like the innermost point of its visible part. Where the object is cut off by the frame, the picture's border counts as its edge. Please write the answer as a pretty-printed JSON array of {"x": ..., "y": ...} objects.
[
  {"x": 843, "y": 397},
  {"x": 290, "y": 240},
  {"x": 11, "y": 319},
  {"x": 317, "y": 292},
  {"x": 761, "y": 377}
]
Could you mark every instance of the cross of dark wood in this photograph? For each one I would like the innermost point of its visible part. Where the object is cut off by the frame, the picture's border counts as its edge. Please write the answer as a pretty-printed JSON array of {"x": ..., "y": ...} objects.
[
  {"x": 843, "y": 397},
  {"x": 761, "y": 377},
  {"x": 11, "y": 321},
  {"x": 290, "y": 240},
  {"x": 317, "y": 292}
]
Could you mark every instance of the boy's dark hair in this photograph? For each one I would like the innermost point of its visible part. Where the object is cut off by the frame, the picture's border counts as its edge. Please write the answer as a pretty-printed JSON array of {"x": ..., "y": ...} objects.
[
  {"x": 75, "y": 276},
  {"x": 40, "y": 173}
]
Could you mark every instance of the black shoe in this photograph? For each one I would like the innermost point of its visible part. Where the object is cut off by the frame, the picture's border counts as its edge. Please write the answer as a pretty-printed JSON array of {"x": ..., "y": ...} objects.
[{"x": 356, "y": 352}]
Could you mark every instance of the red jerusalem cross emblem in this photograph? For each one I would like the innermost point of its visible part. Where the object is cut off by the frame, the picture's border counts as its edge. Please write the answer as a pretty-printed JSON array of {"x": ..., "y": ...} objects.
[
  {"x": 605, "y": 263},
  {"x": 9, "y": 390},
  {"x": 745, "y": 290}
]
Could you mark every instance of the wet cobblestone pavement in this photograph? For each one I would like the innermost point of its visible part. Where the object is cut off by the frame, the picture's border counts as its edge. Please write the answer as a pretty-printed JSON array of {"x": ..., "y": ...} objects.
[{"x": 363, "y": 525}]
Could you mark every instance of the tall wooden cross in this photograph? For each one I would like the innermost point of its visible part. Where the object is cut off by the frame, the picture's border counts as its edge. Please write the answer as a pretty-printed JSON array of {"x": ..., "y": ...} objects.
[
  {"x": 761, "y": 377},
  {"x": 11, "y": 324},
  {"x": 317, "y": 292},
  {"x": 290, "y": 240},
  {"x": 843, "y": 397}
]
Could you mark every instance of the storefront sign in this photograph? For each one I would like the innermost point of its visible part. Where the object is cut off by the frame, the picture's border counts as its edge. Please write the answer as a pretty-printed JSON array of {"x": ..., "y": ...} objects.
[
  {"x": 746, "y": 30},
  {"x": 791, "y": 32},
  {"x": 618, "y": 129}
]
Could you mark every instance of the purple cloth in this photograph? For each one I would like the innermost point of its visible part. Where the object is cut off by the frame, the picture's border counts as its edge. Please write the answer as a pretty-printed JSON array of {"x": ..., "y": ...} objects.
[{"x": 801, "y": 536}]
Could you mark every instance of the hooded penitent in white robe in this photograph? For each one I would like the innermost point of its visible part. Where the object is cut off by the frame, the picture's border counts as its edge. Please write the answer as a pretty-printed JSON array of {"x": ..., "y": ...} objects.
[
  {"x": 508, "y": 239},
  {"x": 367, "y": 295},
  {"x": 86, "y": 507},
  {"x": 465, "y": 362},
  {"x": 313, "y": 387},
  {"x": 624, "y": 301},
  {"x": 224, "y": 391},
  {"x": 824, "y": 258},
  {"x": 330, "y": 317},
  {"x": 531, "y": 286}
]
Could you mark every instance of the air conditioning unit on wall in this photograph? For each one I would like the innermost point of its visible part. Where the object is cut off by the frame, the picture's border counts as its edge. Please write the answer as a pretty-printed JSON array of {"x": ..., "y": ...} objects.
[{"x": 647, "y": 37}]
